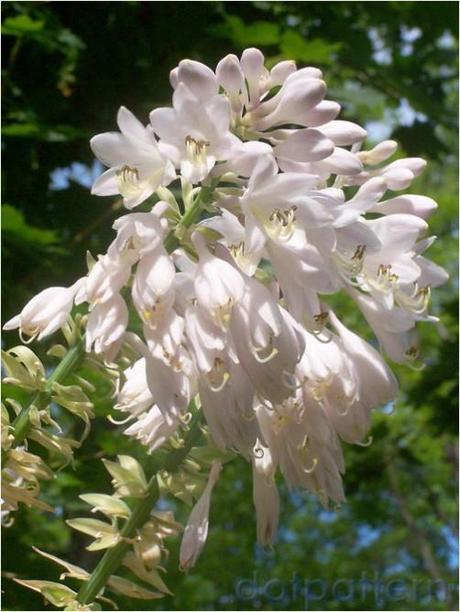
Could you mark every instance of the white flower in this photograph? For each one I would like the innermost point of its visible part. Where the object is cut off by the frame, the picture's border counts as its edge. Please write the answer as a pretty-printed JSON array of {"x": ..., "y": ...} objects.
[
  {"x": 267, "y": 345},
  {"x": 45, "y": 313},
  {"x": 136, "y": 166},
  {"x": 105, "y": 279},
  {"x": 265, "y": 494},
  {"x": 138, "y": 233},
  {"x": 153, "y": 428},
  {"x": 228, "y": 408},
  {"x": 218, "y": 285},
  {"x": 170, "y": 381},
  {"x": 196, "y": 530},
  {"x": 106, "y": 325},
  {"x": 195, "y": 133},
  {"x": 134, "y": 396},
  {"x": 152, "y": 290}
]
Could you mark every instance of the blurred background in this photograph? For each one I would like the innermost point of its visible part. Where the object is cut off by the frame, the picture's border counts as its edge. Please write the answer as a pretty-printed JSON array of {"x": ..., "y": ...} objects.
[{"x": 67, "y": 67}]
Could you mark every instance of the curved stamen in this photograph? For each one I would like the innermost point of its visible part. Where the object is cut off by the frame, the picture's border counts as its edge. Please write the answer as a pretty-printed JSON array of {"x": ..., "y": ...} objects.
[
  {"x": 186, "y": 418},
  {"x": 255, "y": 350},
  {"x": 33, "y": 334},
  {"x": 342, "y": 413},
  {"x": 217, "y": 370},
  {"x": 122, "y": 422},
  {"x": 365, "y": 444},
  {"x": 311, "y": 469}
]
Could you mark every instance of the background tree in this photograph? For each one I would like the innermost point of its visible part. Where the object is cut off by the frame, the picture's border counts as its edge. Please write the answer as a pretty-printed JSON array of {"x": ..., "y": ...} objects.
[{"x": 67, "y": 68}]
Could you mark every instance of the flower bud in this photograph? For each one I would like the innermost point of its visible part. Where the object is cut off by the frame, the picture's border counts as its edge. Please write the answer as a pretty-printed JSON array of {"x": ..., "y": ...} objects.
[{"x": 45, "y": 313}]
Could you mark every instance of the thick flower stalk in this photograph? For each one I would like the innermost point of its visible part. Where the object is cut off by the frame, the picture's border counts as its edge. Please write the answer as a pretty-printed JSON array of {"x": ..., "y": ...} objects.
[{"x": 234, "y": 304}]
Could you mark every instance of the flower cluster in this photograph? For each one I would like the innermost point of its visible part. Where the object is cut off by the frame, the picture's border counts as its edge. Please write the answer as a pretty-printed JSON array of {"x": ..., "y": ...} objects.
[{"x": 233, "y": 304}]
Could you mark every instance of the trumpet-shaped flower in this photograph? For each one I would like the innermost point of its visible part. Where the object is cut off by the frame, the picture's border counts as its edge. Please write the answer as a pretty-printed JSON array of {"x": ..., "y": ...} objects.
[
  {"x": 45, "y": 313},
  {"x": 136, "y": 166}
]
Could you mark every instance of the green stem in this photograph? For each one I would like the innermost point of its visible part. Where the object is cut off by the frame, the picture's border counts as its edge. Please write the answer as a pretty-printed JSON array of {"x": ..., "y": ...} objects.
[
  {"x": 21, "y": 424},
  {"x": 113, "y": 557},
  {"x": 172, "y": 240}
]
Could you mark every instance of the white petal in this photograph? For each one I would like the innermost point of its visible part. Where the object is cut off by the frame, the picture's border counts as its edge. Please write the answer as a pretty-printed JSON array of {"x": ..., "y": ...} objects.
[
  {"x": 130, "y": 126},
  {"x": 200, "y": 79},
  {"x": 304, "y": 146},
  {"x": 343, "y": 133},
  {"x": 419, "y": 205},
  {"x": 229, "y": 74}
]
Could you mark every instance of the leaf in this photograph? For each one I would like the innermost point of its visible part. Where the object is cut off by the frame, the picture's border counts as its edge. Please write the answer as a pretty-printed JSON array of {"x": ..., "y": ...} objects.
[
  {"x": 131, "y": 589},
  {"x": 73, "y": 571},
  {"x": 20, "y": 25},
  {"x": 55, "y": 443},
  {"x": 107, "y": 504},
  {"x": 311, "y": 51},
  {"x": 57, "y": 594},
  {"x": 18, "y": 374},
  {"x": 92, "y": 527},
  {"x": 13, "y": 222},
  {"x": 243, "y": 35},
  {"x": 150, "y": 576}
]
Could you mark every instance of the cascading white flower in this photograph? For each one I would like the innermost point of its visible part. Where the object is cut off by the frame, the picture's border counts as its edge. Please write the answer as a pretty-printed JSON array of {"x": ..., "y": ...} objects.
[{"x": 233, "y": 307}]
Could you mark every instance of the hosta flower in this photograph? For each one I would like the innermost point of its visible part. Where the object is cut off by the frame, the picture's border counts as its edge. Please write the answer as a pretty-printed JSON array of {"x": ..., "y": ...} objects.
[
  {"x": 45, "y": 313},
  {"x": 136, "y": 166},
  {"x": 218, "y": 285},
  {"x": 134, "y": 396},
  {"x": 265, "y": 494},
  {"x": 106, "y": 325},
  {"x": 194, "y": 134},
  {"x": 138, "y": 233},
  {"x": 153, "y": 428},
  {"x": 196, "y": 530},
  {"x": 104, "y": 280},
  {"x": 153, "y": 291}
]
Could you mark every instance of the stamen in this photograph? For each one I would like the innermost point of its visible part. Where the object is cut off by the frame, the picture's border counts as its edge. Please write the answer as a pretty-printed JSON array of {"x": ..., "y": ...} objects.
[
  {"x": 282, "y": 223},
  {"x": 213, "y": 376},
  {"x": 128, "y": 181},
  {"x": 350, "y": 267},
  {"x": 311, "y": 469},
  {"x": 417, "y": 302},
  {"x": 33, "y": 333},
  {"x": 122, "y": 422},
  {"x": 196, "y": 149},
  {"x": 365, "y": 444},
  {"x": 257, "y": 350}
]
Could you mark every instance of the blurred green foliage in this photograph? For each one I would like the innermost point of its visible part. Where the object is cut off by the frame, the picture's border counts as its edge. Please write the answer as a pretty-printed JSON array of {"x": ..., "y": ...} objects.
[{"x": 67, "y": 67}]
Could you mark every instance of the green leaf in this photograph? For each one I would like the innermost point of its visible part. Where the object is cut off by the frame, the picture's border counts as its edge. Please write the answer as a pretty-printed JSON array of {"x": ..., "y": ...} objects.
[
  {"x": 311, "y": 51},
  {"x": 57, "y": 594},
  {"x": 21, "y": 24},
  {"x": 15, "y": 226},
  {"x": 131, "y": 589},
  {"x": 243, "y": 35},
  {"x": 107, "y": 504}
]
